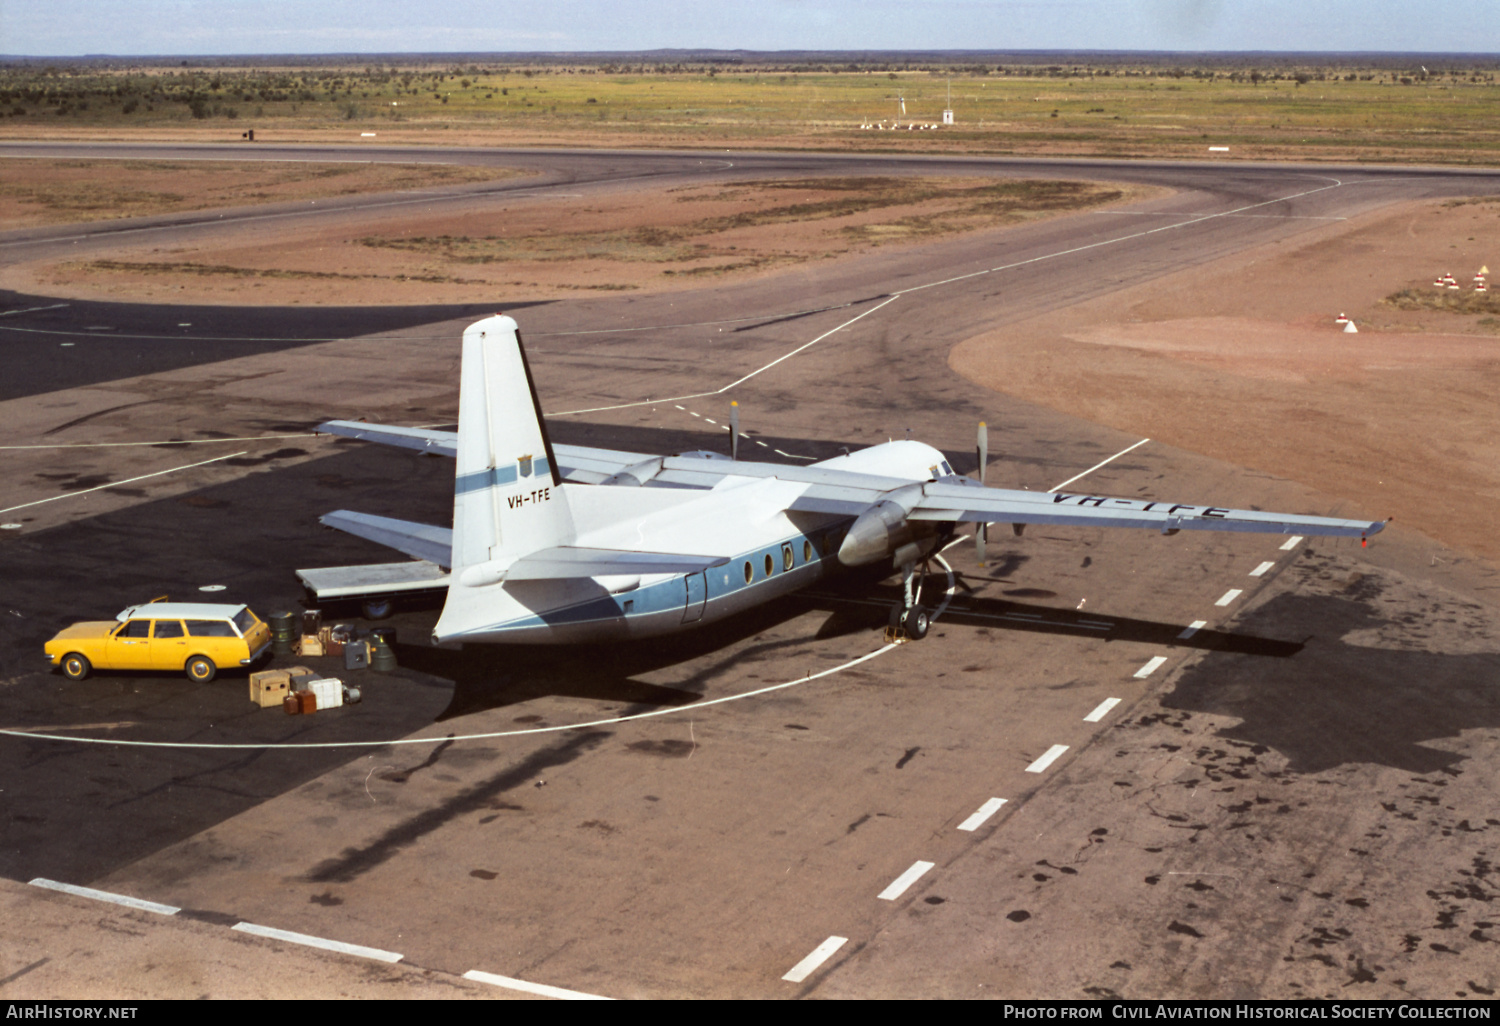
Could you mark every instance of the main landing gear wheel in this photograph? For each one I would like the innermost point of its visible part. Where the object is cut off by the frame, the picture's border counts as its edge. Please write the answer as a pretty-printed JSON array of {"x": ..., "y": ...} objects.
[
  {"x": 917, "y": 621},
  {"x": 75, "y": 666},
  {"x": 201, "y": 669}
]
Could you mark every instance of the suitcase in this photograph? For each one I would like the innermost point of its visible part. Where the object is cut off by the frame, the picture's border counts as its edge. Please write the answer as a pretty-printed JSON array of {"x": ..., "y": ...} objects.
[
  {"x": 308, "y": 702},
  {"x": 356, "y": 655},
  {"x": 292, "y": 705}
]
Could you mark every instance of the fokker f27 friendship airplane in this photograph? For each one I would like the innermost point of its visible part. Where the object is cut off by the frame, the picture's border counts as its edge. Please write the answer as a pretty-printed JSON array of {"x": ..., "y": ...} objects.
[{"x": 562, "y": 544}]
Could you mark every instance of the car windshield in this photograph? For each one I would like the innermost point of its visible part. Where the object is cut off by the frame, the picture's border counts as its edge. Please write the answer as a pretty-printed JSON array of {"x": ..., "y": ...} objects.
[{"x": 245, "y": 620}]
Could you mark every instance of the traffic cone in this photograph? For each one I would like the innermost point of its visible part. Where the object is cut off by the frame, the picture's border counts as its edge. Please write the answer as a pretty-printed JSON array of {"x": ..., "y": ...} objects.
[{"x": 1342, "y": 318}]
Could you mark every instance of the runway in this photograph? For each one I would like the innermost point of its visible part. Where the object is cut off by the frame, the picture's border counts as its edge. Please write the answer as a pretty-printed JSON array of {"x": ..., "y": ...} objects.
[{"x": 1121, "y": 765}]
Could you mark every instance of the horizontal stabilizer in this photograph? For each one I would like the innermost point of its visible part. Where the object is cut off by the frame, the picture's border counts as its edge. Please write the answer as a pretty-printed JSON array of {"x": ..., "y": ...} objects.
[
  {"x": 420, "y": 541},
  {"x": 567, "y": 562}
]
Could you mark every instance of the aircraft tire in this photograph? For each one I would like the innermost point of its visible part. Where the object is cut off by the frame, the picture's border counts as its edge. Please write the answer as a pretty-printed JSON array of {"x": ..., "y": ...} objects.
[
  {"x": 918, "y": 620},
  {"x": 75, "y": 666},
  {"x": 201, "y": 669}
]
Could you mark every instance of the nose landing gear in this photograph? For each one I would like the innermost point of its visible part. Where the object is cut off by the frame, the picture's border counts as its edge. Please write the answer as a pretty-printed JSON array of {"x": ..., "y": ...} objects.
[{"x": 909, "y": 621}]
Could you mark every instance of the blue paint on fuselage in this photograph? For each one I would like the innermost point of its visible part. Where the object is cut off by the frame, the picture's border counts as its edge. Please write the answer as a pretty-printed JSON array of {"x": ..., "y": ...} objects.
[{"x": 747, "y": 580}]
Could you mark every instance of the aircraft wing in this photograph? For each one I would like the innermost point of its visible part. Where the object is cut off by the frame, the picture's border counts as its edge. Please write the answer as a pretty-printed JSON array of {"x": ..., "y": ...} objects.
[
  {"x": 941, "y": 501},
  {"x": 577, "y": 463},
  {"x": 564, "y": 562},
  {"x": 420, "y": 541}
]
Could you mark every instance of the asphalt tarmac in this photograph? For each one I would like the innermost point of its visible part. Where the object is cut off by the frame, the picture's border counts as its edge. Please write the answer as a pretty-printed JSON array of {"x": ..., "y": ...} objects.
[{"x": 1274, "y": 780}]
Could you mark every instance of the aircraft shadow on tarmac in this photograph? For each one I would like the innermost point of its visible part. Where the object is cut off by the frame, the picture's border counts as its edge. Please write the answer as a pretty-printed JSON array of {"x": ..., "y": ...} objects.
[{"x": 1340, "y": 703}]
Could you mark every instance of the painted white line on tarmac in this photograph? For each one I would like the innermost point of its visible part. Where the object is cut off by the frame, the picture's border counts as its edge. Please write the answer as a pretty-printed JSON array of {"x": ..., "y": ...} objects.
[
  {"x": 1101, "y": 711},
  {"x": 1191, "y": 629},
  {"x": 118, "y": 899},
  {"x": 541, "y": 989},
  {"x": 1260, "y": 570},
  {"x": 1291, "y": 543},
  {"x": 1052, "y": 755},
  {"x": 1152, "y": 665},
  {"x": 899, "y": 885},
  {"x": 317, "y": 942},
  {"x": 1229, "y": 596},
  {"x": 981, "y": 814},
  {"x": 1096, "y": 466},
  {"x": 815, "y": 959},
  {"x": 32, "y": 309},
  {"x": 116, "y": 484}
]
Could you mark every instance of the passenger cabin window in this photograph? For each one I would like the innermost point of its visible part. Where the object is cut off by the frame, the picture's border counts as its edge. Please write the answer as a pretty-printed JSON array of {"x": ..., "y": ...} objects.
[
  {"x": 135, "y": 629},
  {"x": 770, "y": 565},
  {"x": 169, "y": 628},
  {"x": 210, "y": 629},
  {"x": 807, "y": 550},
  {"x": 786, "y": 556},
  {"x": 749, "y": 572}
]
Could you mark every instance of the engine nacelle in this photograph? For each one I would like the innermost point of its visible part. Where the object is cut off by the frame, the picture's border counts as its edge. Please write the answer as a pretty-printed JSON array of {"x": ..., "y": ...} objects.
[
  {"x": 883, "y": 530},
  {"x": 877, "y": 533}
]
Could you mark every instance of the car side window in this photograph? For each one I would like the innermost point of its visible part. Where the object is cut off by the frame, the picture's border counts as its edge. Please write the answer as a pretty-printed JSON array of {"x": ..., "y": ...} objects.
[
  {"x": 210, "y": 629},
  {"x": 168, "y": 628},
  {"x": 135, "y": 629}
]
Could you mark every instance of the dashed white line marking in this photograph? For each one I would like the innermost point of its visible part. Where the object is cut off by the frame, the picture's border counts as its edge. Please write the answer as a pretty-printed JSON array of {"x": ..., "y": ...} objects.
[
  {"x": 1052, "y": 755},
  {"x": 1258, "y": 571},
  {"x": 680, "y": 407},
  {"x": 1191, "y": 629},
  {"x": 1291, "y": 543},
  {"x": 118, "y": 899},
  {"x": 1152, "y": 665},
  {"x": 694, "y": 414},
  {"x": 899, "y": 885},
  {"x": 317, "y": 942},
  {"x": 815, "y": 959},
  {"x": 532, "y": 988},
  {"x": 981, "y": 814},
  {"x": 1102, "y": 710},
  {"x": 1229, "y": 596}
]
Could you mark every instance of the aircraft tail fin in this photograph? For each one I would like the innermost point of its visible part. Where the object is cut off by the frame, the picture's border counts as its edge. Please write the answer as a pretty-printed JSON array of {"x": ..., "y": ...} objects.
[{"x": 508, "y": 498}]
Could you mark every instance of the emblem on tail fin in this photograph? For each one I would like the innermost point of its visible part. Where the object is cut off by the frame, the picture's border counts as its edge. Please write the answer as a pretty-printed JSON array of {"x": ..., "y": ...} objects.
[{"x": 524, "y": 463}]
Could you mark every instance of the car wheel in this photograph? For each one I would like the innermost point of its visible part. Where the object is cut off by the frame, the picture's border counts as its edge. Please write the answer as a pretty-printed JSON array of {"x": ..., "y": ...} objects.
[
  {"x": 75, "y": 666},
  {"x": 201, "y": 669},
  {"x": 377, "y": 609}
]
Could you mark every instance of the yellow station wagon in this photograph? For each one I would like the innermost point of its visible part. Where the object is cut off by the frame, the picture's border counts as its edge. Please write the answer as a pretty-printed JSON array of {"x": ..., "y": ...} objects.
[{"x": 193, "y": 637}]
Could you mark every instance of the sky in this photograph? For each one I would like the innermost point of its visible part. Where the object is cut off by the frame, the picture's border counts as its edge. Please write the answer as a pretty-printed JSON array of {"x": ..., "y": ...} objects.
[{"x": 224, "y": 27}]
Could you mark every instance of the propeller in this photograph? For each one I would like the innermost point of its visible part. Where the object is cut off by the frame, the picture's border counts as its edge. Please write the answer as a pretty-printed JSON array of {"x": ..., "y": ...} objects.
[
  {"x": 982, "y": 447},
  {"x": 734, "y": 430}
]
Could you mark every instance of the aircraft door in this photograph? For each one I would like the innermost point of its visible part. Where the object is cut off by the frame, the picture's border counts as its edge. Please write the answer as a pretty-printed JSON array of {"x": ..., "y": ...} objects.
[{"x": 697, "y": 597}]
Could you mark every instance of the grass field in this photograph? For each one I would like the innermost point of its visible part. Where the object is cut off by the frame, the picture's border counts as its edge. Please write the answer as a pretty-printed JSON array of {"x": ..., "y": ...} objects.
[{"x": 1448, "y": 115}]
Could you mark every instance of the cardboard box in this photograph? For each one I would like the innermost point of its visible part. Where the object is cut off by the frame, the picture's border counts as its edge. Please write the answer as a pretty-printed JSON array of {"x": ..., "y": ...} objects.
[
  {"x": 269, "y": 687},
  {"x": 311, "y": 646}
]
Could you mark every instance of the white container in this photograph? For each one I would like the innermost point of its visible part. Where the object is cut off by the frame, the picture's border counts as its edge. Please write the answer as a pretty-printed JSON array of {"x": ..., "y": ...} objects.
[{"x": 329, "y": 692}]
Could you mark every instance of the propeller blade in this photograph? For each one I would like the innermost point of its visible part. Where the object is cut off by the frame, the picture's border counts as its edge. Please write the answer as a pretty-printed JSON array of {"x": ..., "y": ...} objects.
[
  {"x": 734, "y": 430},
  {"x": 982, "y": 448}
]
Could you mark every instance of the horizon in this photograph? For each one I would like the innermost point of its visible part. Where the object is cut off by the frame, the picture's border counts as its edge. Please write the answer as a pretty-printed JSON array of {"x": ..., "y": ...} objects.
[{"x": 156, "y": 29}]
